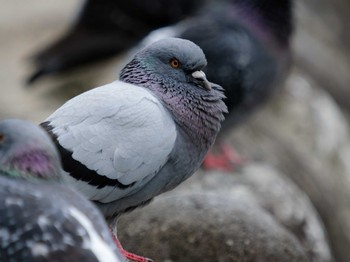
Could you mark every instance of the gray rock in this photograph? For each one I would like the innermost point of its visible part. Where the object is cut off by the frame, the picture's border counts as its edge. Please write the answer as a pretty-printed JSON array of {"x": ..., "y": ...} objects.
[
  {"x": 226, "y": 206},
  {"x": 303, "y": 133},
  {"x": 276, "y": 194},
  {"x": 207, "y": 227}
]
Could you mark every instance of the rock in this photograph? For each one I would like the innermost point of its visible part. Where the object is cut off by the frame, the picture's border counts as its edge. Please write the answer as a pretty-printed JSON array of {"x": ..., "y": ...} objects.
[
  {"x": 256, "y": 194},
  {"x": 207, "y": 227},
  {"x": 290, "y": 206},
  {"x": 279, "y": 196},
  {"x": 304, "y": 134}
]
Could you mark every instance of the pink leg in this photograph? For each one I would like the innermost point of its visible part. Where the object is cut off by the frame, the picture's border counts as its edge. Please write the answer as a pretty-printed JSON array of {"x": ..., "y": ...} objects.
[
  {"x": 128, "y": 255},
  {"x": 226, "y": 160}
]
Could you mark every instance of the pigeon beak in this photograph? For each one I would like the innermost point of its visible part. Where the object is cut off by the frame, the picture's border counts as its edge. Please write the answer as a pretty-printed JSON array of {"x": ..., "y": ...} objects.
[{"x": 202, "y": 79}]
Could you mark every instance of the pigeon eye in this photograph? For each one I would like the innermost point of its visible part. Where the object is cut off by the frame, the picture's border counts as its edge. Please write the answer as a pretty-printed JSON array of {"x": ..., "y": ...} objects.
[
  {"x": 2, "y": 138},
  {"x": 175, "y": 63}
]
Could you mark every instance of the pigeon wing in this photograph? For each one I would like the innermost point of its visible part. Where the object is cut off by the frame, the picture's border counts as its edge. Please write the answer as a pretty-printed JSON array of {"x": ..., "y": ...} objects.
[{"x": 120, "y": 131}]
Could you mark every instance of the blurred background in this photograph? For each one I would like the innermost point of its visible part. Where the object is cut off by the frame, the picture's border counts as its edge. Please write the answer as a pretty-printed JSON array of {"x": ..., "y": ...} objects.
[{"x": 300, "y": 136}]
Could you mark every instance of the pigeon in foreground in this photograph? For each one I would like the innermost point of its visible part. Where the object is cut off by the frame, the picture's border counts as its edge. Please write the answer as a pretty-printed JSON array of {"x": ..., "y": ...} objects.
[
  {"x": 105, "y": 28},
  {"x": 128, "y": 141},
  {"x": 41, "y": 219},
  {"x": 247, "y": 45}
]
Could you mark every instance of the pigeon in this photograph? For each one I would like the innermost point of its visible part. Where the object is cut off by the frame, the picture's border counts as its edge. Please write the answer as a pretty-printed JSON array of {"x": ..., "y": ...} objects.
[
  {"x": 247, "y": 45},
  {"x": 128, "y": 141},
  {"x": 41, "y": 218},
  {"x": 107, "y": 27}
]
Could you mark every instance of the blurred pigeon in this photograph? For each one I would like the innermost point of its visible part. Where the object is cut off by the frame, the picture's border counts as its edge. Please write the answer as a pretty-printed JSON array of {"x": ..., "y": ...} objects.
[
  {"x": 126, "y": 142},
  {"x": 247, "y": 45},
  {"x": 42, "y": 220},
  {"x": 105, "y": 28}
]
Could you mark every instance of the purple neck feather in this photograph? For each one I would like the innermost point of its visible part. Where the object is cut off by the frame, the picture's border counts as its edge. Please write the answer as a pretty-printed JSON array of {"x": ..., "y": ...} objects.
[
  {"x": 198, "y": 112},
  {"x": 34, "y": 164}
]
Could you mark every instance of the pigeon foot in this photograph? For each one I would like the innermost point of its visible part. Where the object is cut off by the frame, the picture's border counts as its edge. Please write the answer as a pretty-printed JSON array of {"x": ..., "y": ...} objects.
[
  {"x": 130, "y": 256},
  {"x": 226, "y": 160}
]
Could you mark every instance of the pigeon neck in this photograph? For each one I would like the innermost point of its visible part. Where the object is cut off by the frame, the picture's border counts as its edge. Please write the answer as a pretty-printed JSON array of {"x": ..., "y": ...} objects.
[
  {"x": 267, "y": 17},
  {"x": 198, "y": 112},
  {"x": 32, "y": 165},
  {"x": 199, "y": 118}
]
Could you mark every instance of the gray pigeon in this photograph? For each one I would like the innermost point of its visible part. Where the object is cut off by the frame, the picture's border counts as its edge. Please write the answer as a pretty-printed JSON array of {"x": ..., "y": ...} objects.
[
  {"x": 42, "y": 220},
  {"x": 128, "y": 141}
]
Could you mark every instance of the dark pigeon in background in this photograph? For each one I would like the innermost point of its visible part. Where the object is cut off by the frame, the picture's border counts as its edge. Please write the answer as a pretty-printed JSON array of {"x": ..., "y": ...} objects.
[
  {"x": 41, "y": 219},
  {"x": 126, "y": 142},
  {"x": 247, "y": 45},
  {"x": 105, "y": 28}
]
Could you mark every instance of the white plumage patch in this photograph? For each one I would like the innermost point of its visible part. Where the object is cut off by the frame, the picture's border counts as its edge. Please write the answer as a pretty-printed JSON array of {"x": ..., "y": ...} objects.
[
  {"x": 94, "y": 243},
  {"x": 40, "y": 249},
  {"x": 119, "y": 130},
  {"x": 9, "y": 201}
]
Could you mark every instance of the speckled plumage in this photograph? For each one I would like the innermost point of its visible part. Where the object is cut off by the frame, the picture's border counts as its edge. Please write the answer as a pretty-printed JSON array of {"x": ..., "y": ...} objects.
[
  {"x": 158, "y": 122},
  {"x": 41, "y": 218},
  {"x": 43, "y": 223}
]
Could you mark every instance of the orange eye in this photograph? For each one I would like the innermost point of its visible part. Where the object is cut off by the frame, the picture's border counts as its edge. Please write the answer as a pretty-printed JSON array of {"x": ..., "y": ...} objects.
[{"x": 175, "y": 63}]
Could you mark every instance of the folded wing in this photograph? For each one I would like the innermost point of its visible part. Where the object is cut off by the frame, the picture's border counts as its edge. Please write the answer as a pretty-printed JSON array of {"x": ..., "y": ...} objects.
[{"x": 120, "y": 132}]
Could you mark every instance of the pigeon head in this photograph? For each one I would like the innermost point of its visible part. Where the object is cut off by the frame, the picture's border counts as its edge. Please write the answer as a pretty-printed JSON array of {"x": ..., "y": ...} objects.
[
  {"x": 171, "y": 68},
  {"x": 26, "y": 151},
  {"x": 189, "y": 56},
  {"x": 176, "y": 59}
]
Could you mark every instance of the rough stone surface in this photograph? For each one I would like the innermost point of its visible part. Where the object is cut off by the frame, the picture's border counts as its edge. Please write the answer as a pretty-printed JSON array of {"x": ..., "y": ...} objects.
[
  {"x": 303, "y": 133},
  {"x": 208, "y": 227},
  {"x": 257, "y": 187}
]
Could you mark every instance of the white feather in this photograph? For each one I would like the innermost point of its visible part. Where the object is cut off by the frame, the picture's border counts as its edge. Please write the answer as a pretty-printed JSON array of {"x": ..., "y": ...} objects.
[{"x": 95, "y": 243}]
